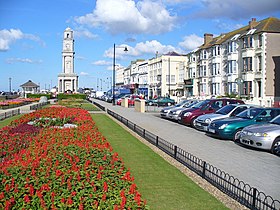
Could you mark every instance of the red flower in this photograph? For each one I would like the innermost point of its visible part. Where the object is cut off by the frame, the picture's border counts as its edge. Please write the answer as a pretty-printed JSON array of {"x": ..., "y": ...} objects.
[
  {"x": 69, "y": 201},
  {"x": 105, "y": 187},
  {"x": 58, "y": 173},
  {"x": 26, "y": 199},
  {"x": 2, "y": 195}
]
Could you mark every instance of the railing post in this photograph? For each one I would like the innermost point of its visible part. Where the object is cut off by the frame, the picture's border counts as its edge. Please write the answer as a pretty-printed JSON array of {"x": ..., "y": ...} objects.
[
  {"x": 134, "y": 127},
  {"x": 203, "y": 169},
  {"x": 144, "y": 131},
  {"x": 126, "y": 122},
  {"x": 157, "y": 141},
  {"x": 175, "y": 152},
  {"x": 254, "y": 198}
]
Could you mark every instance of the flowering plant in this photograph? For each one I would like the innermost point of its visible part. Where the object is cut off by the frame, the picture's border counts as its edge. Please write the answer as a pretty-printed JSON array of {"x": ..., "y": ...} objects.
[{"x": 71, "y": 168}]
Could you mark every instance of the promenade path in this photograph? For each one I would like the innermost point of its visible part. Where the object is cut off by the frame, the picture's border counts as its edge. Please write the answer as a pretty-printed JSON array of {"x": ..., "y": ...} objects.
[{"x": 259, "y": 169}]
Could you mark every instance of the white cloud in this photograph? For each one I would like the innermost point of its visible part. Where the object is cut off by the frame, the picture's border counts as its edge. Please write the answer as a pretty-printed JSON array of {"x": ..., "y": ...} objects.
[
  {"x": 85, "y": 33},
  {"x": 23, "y": 60},
  {"x": 141, "y": 49},
  {"x": 84, "y": 73},
  {"x": 8, "y": 37},
  {"x": 191, "y": 42},
  {"x": 151, "y": 47},
  {"x": 126, "y": 16}
]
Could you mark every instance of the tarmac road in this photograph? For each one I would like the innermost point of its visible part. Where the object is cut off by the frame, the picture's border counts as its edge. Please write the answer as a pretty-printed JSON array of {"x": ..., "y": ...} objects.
[{"x": 259, "y": 169}]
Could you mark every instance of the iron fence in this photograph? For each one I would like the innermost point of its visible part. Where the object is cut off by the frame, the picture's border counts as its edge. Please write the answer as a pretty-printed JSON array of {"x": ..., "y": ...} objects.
[
  {"x": 8, "y": 114},
  {"x": 38, "y": 106},
  {"x": 236, "y": 189}
]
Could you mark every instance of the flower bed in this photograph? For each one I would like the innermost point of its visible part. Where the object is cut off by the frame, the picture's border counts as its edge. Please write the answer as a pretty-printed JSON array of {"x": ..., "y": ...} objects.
[
  {"x": 7, "y": 104},
  {"x": 46, "y": 167}
]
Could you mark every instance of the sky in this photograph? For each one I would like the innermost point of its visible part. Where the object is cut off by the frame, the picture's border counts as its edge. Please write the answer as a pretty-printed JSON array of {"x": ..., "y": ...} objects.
[{"x": 31, "y": 34}]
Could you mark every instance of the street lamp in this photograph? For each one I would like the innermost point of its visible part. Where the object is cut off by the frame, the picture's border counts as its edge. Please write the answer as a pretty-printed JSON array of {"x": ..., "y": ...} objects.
[{"x": 114, "y": 69}]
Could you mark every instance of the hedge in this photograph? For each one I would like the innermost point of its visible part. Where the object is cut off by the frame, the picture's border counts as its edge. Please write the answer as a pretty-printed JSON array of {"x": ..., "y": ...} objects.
[{"x": 68, "y": 96}]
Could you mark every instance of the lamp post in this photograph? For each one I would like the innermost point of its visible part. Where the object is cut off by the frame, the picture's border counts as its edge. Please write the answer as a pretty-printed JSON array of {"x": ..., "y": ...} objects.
[{"x": 114, "y": 71}]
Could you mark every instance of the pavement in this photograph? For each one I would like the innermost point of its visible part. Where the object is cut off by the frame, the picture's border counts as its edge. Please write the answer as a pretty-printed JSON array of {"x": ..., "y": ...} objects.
[{"x": 259, "y": 169}]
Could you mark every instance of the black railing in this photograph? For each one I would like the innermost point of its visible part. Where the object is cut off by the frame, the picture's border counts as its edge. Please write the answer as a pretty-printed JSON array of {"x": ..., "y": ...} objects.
[
  {"x": 8, "y": 114},
  {"x": 236, "y": 189},
  {"x": 99, "y": 106},
  {"x": 38, "y": 106}
]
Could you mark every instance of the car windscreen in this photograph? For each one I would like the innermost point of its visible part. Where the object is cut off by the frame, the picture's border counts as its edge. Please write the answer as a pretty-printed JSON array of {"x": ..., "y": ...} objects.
[
  {"x": 249, "y": 113},
  {"x": 225, "y": 110},
  {"x": 276, "y": 120},
  {"x": 200, "y": 104},
  {"x": 180, "y": 104}
]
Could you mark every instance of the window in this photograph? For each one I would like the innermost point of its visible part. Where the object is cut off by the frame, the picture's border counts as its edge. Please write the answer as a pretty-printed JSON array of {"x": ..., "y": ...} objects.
[
  {"x": 248, "y": 42},
  {"x": 247, "y": 64},
  {"x": 247, "y": 87},
  {"x": 232, "y": 66},
  {"x": 232, "y": 87},
  {"x": 167, "y": 78},
  {"x": 259, "y": 63},
  {"x": 172, "y": 78},
  {"x": 260, "y": 40}
]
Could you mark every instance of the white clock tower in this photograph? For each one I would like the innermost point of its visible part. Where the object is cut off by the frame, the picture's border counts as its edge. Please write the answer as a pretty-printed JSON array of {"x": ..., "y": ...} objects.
[{"x": 68, "y": 80}]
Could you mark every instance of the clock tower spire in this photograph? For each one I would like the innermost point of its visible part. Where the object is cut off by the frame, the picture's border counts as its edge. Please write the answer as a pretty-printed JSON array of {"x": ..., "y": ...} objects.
[{"x": 68, "y": 80}]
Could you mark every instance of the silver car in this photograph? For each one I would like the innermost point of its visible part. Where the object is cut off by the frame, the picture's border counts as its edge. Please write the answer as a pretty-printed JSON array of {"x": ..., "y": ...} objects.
[
  {"x": 165, "y": 111},
  {"x": 174, "y": 113},
  {"x": 263, "y": 136},
  {"x": 203, "y": 121}
]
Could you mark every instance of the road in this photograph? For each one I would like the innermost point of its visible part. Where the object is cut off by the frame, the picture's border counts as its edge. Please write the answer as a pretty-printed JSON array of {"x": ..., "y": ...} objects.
[{"x": 259, "y": 169}]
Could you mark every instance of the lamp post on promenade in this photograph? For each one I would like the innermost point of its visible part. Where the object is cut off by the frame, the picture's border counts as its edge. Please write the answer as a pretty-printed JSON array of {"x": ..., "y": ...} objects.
[{"x": 114, "y": 71}]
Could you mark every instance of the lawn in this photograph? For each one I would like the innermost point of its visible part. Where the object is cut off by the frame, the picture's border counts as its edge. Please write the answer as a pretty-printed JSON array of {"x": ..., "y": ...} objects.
[
  {"x": 161, "y": 184},
  {"x": 9, "y": 120}
]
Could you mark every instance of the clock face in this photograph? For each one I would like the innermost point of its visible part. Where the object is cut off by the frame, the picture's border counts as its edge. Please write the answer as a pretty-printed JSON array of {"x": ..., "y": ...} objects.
[{"x": 67, "y": 46}]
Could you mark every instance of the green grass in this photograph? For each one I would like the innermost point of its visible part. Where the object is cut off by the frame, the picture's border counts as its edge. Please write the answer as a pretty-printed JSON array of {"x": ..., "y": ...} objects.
[
  {"x": 160, "y": 183},
  {"x": 89, "y": 107},
  {"x": 8, "y": 120}
]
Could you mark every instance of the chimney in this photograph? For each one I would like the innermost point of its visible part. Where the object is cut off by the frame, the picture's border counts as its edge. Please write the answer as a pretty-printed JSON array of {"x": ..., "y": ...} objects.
[
  {"x": 207, "y": 38},
  {"x": 253, "y": 23}
]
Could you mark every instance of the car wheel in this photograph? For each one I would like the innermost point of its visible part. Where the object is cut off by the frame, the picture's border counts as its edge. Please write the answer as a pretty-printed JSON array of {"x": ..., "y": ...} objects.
[
  {"x": 237, "y": 135},
  {"x": 275, "y": 149},
  {"x": 192, "y": 122}
]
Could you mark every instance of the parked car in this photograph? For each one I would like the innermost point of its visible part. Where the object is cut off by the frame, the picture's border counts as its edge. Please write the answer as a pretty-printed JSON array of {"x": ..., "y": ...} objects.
[
  {"x": 165, "y": 111},
  {"x": 130, "y": 98},
  {"x": 174, "y": 113},
  {"x": 230, "y": 128},
  {"x": 188, "y": 116},
  {"x": 264, "y": 136},
  {"x": 161, "y": 101},
  {"x": 202, "y": 122},
  {"x": 119, "y": 100}
]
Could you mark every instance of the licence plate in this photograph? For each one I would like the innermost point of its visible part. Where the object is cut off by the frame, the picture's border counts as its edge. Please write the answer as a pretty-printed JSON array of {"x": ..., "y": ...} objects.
[
  {"x": 205, "y": 128},
  {"x": 211, "y": 130},
  {"x": 198, "y": 124}
]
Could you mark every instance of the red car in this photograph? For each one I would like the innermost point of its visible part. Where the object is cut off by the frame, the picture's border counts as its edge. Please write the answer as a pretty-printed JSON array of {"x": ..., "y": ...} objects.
[
  {"x": 204, "y": 107},
  {"x": 131, "y": 99}
]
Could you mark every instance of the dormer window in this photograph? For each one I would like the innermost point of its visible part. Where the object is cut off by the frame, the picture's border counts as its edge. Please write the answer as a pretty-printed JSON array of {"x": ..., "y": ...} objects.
[{"x": 251, "y": 31}]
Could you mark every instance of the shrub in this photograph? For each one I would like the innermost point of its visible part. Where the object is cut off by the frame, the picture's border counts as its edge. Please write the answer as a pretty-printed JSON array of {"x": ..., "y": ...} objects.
[{"x": 71, "y": 96}]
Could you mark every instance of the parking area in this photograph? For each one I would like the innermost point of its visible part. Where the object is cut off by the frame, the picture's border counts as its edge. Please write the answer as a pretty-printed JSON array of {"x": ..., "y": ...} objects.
[{"x": 259, "y": 169}]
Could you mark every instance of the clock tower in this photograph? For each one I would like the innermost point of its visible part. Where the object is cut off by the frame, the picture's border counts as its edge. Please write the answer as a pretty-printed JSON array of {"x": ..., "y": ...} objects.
[{"x": 68, "y": 80}]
